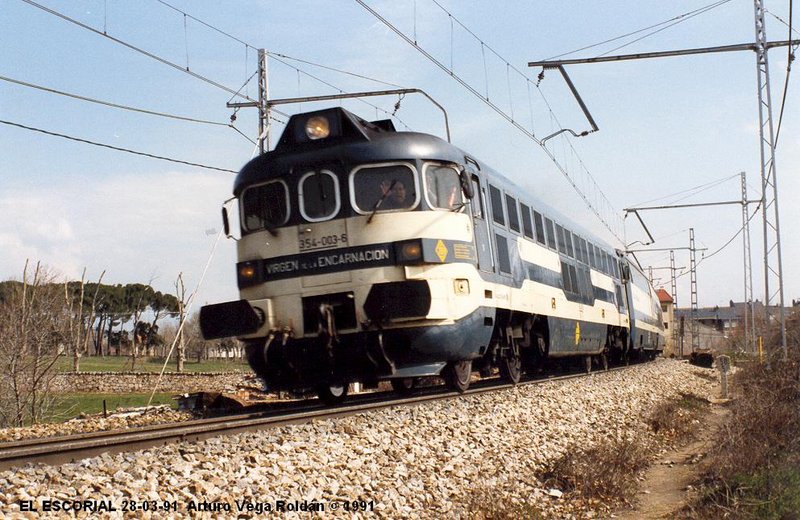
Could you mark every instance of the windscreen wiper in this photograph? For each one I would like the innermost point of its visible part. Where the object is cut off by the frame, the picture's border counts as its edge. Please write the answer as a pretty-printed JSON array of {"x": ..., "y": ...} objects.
[{"x": 380, "y": 200}]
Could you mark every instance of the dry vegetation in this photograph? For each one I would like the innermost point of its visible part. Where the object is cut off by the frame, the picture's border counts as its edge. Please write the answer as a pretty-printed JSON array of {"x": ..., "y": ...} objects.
[
  {"x": 601, "y": 478},
  {"x": 33, "y": 333},
  {"x": 755, "y": 463}
]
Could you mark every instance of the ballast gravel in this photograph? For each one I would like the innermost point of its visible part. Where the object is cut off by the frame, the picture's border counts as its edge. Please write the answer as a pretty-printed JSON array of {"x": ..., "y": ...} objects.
[{"x": 445, "y": 459}]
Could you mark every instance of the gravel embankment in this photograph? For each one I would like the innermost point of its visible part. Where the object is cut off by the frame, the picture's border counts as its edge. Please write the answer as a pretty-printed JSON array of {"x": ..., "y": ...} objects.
[{"x": 413, "y": 462}]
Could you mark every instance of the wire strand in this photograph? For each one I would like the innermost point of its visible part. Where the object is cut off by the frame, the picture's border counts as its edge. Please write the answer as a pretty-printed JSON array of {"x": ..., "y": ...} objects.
[
  {"x": 502, "y": 113},
  {"x": 117, "y": 148},
  {"x": 110, "y": 104},
  {"x": 136, "y": 49},
  {"x": 634, "y": 32}
]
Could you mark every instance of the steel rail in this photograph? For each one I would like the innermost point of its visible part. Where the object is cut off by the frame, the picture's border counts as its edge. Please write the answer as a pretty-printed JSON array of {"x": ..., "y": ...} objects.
[{"x": 70, "y": 448}]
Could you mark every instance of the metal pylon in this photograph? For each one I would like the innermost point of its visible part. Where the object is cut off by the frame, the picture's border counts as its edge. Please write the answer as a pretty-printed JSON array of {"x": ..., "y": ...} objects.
[
  {"x": 773, "y": 268},
  {"x": 674, "y": 287},
  {"x": 749, "y": 314},
  {"x": 693, "y": 276},
  {"x": 264, "y": 126}
]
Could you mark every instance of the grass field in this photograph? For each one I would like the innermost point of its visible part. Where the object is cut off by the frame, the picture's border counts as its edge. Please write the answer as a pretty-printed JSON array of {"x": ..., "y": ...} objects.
[
  {"x": 68, "y": 406},
  {"x": 123, "y": 364}
]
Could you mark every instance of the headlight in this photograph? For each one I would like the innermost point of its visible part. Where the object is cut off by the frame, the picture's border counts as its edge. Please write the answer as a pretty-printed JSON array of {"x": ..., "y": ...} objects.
[
  {"x": 247, "y": 271},
  {"x": 409, "y": 252},
  {"x": 248, "y": 274},
  {"x": 318, "y": 127}
]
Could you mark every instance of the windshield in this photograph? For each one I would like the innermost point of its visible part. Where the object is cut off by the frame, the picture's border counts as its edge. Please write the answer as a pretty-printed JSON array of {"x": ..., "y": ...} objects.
[
  {"x": 384, "y": 188},
  {"x": 443, "y": 187},
  {"x": 265, "y": 206}
]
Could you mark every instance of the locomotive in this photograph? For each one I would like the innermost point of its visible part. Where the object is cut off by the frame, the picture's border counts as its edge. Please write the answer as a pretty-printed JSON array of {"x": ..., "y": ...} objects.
[{"x": 368, "y": 254}]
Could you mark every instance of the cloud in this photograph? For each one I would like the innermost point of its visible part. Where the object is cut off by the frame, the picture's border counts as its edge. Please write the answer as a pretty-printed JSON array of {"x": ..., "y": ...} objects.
[{"x": 136, "y": 228}]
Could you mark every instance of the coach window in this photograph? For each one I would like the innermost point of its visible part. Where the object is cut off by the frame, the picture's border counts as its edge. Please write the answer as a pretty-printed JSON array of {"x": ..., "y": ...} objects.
[
  {"x": 503, "y": 259},
  {"x": 562, "y": 241},
  {"x": 497, "y": 205},
  {"x": 598, "y": 257},
  {"x": 319, "y": 195},
  {"x": 568, "y": 238},
  {"x": 581, "y": 245},
  {"x": 443, "y": 187},
  {"x": 383, "y": 187},
  {"x": 592, "y": 262},
  {"x": 539, "y": 224},
  {"x": 525, "y": 214},
  {"x": 551, "y": 233},
  {"x": 578, "y": 252},
  {"x": 513, "y": 216},
  {"x": 265, "y": 206}
]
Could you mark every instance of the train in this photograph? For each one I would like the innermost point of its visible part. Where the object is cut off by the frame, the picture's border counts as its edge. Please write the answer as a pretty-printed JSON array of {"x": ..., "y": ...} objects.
[{"x": 367, "y": 254}]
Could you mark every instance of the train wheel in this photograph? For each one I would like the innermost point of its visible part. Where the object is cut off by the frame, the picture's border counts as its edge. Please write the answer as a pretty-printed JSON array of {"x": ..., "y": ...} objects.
[
  {"x": 332, "y": 394},
  {"x": 404, "y": 385},
  {"x": 588, "y": 364},
  {"x": 604, "y": 361},
  {"x": 511, "y": 367},
  {"x": 456, "y": 375}
]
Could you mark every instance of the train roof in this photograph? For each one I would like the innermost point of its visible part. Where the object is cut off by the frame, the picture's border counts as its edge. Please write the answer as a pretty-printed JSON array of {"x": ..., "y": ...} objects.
[{"x": 352, "y": 140}]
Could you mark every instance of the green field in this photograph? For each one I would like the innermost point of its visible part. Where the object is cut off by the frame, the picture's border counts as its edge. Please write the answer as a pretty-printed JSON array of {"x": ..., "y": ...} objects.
[
  {"x": 68, "y": 406},
  {"x": 123, "y": 364}
]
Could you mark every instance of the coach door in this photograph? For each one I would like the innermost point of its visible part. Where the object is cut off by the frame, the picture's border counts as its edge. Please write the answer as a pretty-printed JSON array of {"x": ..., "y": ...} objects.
[{"x": 482, "y": 243}]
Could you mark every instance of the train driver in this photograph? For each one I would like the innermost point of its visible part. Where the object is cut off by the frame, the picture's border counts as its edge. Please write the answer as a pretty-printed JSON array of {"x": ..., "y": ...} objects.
[{"x": 394, "y": 195}]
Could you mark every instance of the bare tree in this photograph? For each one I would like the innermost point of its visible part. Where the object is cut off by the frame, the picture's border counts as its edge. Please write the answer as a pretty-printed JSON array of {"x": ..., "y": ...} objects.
[
  {"x": 137, "y": 298},
  {"x": 180, "y": 292},
  {"x": 32, "y": 338},
  {"x": 81, "y": 320}
]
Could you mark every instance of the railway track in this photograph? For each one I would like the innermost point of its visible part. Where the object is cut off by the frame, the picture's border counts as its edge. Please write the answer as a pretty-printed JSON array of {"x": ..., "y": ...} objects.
[{"x": 69, "y": 448}]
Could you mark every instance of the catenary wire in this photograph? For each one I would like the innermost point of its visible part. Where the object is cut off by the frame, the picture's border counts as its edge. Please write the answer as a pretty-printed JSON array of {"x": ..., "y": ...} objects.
[
  {"x": 789, "y": 61},
  {"x": 117, "y": 148},
  {"x": 741, "y": 229},
  {"x": 123, "y": 107},
  {"x": 502, "y": 113},
  {"x": 637, "y": 31},
  {"x": 699, "y": 12},
  {"x": 136, "y": 49},
  {"x": 694, "y": 190},
  {"x": 110, "y": 104},
  {"x": 276, "y": 54}
]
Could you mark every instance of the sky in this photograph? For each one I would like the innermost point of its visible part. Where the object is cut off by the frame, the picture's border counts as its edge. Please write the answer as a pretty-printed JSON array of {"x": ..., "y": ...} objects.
[{"x": 666, "y": 126}]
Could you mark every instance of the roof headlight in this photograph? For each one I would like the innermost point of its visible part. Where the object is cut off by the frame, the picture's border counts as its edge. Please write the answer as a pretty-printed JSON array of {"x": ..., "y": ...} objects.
[{"x": 318, "y": 127}]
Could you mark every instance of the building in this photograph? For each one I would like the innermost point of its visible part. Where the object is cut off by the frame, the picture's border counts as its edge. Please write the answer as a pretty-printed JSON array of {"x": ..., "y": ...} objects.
[
  {"x": 668, "y": 313},
  {"x": 717, "y": 323}
]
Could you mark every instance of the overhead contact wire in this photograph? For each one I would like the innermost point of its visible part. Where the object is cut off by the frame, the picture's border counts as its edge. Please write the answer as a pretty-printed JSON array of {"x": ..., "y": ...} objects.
[
  {"x": 110, "y": 104},
  {"x": 117, "y": 148},
  {"x": 136, "y": 49}
]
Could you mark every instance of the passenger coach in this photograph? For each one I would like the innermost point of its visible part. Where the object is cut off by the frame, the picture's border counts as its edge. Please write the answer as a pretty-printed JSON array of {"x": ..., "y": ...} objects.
[{"x": 368, "y": 254}]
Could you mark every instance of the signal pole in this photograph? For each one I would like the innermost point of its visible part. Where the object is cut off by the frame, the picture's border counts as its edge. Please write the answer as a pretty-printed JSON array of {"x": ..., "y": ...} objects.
[
  {"x": 262, "y": 104},
  {"x": 674, "y": 280},
  {"x": 693, "y": 278},
  {"x": 749, "y": 314},
  {"x": 773, "y": 264}
]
